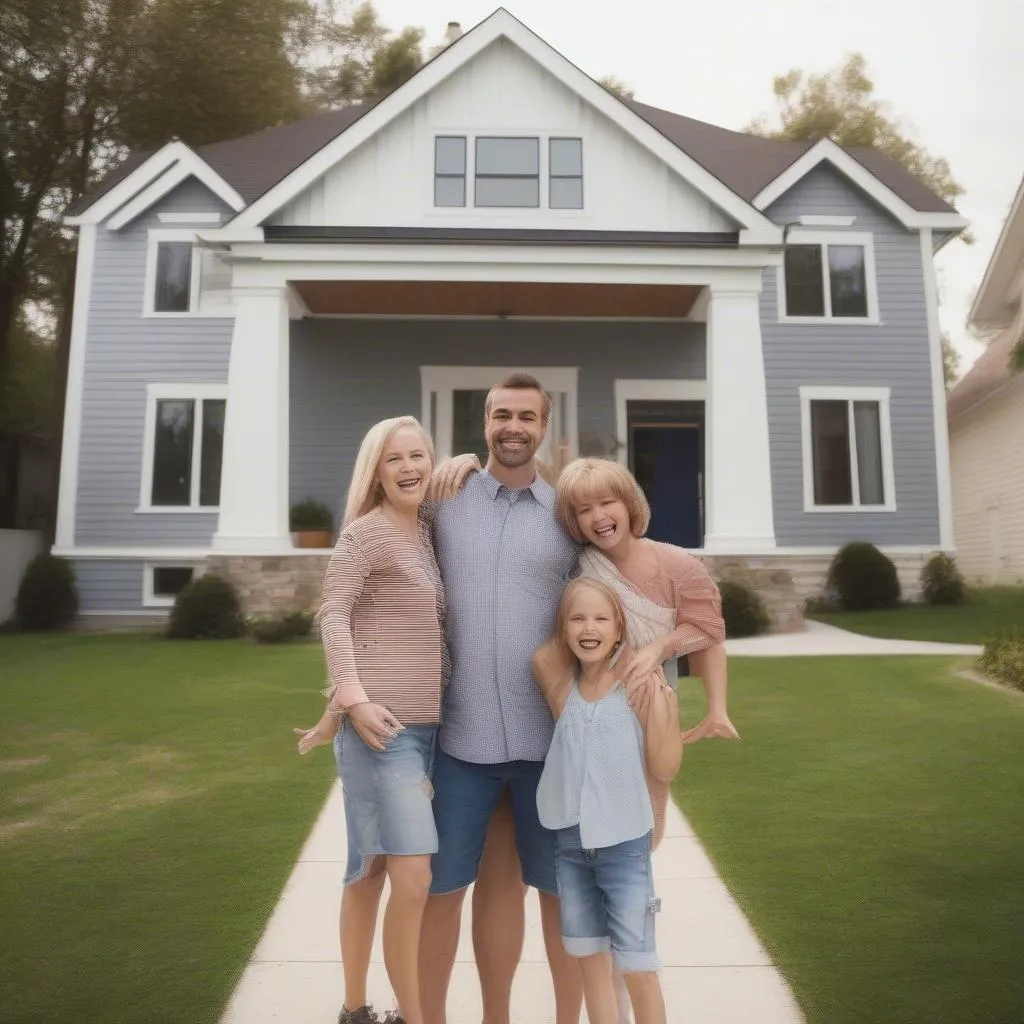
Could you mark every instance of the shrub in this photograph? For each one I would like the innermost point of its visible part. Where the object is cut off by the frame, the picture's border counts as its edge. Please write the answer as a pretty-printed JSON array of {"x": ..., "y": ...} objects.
[
  {"x": 47, "y": 597},
  {"x": 311, "y": 515},
  {"x": 207, "y": 609},
  {"x": 282, "y": 629},
  {"x": 1003, "y": 658},
  {"x": 742, "y": 609},
  {"x": 864, "y": 578},
  {"x": 941, "y": 582}
]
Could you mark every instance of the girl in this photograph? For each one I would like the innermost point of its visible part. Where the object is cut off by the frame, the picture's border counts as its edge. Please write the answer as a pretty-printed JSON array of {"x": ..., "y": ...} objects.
[
  {"x": 593, "y": 793},
  {"x": 381, "y": 627}
]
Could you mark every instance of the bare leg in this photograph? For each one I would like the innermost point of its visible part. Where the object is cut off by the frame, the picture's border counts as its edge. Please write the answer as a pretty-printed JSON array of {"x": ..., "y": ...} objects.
[
  {"x": 499, "y": 915},
  {"x": 403, "y": 917},
  {"x": 621, "y": 996},
  {"x": 359, "y": 903},
  {"x": 565, "y": 969},
  {"x": 598, "y": 988},
  {"x": 645, "y": 994},
  {"x": 440, "y": 932}
]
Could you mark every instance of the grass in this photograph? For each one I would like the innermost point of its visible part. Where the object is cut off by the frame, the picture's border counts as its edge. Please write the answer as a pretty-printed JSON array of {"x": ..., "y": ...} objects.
[
  {"x": 987, "y": 611},
  {"x": 151, "y": 808},
  {"x": 870, "y": 826}
]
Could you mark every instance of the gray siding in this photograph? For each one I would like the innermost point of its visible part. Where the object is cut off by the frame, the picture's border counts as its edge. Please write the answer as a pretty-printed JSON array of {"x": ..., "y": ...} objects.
[
  {"x": 895, "y": 354},
  {"x": 109, "y": 586},
  {"x": 124, "y": 353},
  {"x": 348, "y": 374}
]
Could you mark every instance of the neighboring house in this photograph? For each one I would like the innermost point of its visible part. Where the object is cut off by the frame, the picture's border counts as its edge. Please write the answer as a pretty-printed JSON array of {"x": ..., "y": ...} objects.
[
  {"x": 986, "y": 423},
  {"x": 749, "y": 324}
]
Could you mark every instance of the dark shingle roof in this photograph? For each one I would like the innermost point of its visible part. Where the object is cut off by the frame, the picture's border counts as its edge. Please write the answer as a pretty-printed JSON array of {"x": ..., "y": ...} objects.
[{"x": 745, "y": 163}]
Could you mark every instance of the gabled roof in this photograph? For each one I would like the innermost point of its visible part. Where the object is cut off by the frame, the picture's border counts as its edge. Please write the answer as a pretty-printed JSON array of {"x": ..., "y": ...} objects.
[
  {"x": 989, "y": 373},
  {"x": 999, "y": 292},
  {"x": 745, "y": 164}
]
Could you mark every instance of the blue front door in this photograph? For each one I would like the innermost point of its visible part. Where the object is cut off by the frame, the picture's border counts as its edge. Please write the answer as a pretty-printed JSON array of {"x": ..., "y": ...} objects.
[{"x": 667, "y": 465}]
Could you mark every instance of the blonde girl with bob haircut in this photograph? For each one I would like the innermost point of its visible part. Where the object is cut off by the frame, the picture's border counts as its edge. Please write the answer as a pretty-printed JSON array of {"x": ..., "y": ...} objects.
[
  {"x": 381, "y": 624},
  {"x": 594, "y": 795}
]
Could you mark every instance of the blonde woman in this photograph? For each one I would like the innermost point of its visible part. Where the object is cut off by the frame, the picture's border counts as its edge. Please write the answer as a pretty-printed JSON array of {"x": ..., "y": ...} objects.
[{"x": 380, "y": 621}]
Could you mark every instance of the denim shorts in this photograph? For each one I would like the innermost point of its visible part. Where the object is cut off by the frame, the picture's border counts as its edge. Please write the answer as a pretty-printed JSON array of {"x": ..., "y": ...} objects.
[
  {"x": 387, "y": 795},
  {"x": 608, "y": 902},
  {"x": 466, "y": 796}
]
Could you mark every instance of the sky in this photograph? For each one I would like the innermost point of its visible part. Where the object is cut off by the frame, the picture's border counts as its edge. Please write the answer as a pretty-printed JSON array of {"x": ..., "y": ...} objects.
[{"x": 953, "y": 73}]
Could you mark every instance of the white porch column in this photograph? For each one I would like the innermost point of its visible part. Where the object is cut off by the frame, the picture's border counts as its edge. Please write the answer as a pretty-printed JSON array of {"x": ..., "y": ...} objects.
[
  {"x": 254, "y": 476},
  {"x": 739, "y": 482}
]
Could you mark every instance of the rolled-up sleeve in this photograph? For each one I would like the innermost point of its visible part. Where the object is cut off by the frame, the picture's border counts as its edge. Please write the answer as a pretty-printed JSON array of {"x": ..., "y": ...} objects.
[
  {"x": 344, "y": 582},
  {"x": 699, "y": 622}
]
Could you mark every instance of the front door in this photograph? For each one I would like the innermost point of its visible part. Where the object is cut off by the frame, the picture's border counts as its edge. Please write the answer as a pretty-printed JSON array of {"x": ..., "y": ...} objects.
[{"x": 666, "y": 449}]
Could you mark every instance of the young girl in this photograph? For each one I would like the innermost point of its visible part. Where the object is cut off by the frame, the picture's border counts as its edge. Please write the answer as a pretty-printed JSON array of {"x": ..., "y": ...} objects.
[
  {"x": 381, "y": 628},
  {"x": 593, "y": 793}
]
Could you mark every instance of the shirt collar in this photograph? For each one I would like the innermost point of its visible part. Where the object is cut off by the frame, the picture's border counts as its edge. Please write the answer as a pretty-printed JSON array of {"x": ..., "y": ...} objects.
[{"x": 542, "y": 491}]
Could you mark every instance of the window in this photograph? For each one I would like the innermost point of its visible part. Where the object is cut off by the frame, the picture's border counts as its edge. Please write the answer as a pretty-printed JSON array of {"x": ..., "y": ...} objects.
[
  {"x": 450, "y": 170},
  {"x": 163, "y": 583},
  {"x": 829, "y": 277},
  {"x": 565, "y": 170},
  {"x": 507, "y": 172},
  {"x": 183, "y": 278},
  {"x": 183, "y": 447},
  {"x": 847, "y": 449}
]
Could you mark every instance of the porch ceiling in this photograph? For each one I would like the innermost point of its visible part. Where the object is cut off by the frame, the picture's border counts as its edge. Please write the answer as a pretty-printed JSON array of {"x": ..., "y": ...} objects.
[{"x": 497, "y": 298}]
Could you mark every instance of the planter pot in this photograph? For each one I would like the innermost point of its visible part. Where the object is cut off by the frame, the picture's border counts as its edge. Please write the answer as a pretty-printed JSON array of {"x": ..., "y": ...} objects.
[{"x": 312, "y": 538}]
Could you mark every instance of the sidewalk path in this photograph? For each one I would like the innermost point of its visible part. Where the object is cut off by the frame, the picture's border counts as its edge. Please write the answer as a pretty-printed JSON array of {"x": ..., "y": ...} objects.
[{"x": 715, "y": 969}]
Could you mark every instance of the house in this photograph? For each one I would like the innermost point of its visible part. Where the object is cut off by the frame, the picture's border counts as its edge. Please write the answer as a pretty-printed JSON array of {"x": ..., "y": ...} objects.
[
  {"x": 749, "y": 324},
  {"x": 986, "y": 423}
]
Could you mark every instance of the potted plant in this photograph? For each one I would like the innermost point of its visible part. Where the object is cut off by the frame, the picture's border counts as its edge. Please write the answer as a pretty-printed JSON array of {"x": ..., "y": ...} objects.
[{"x": 312, "y": 524}]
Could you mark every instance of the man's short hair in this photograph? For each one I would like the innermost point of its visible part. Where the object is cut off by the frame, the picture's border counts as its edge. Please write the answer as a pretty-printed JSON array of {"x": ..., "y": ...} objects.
[{"x": 519, "y": 381}]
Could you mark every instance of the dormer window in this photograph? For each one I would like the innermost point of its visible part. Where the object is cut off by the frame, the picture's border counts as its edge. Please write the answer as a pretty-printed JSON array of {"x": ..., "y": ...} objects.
[{"x": 173, "y": 286}]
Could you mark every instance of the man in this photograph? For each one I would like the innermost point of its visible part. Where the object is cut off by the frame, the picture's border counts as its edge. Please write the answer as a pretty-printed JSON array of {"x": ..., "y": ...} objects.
[{"x": 505, "y": 561}]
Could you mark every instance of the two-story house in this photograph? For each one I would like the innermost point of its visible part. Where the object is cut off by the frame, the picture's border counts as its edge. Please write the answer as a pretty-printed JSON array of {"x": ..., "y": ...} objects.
[{"x": 749, "y": 324}]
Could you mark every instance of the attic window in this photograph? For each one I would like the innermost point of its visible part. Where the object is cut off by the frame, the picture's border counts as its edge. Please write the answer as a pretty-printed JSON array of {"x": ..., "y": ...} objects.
[
  {"x": 507, "y": 172},
  {"x": 829, "y": 276},
  {"x": 565, "y": 168},
  {"x": 173, "y": 277},
  {"x": 450, "y": 170}
]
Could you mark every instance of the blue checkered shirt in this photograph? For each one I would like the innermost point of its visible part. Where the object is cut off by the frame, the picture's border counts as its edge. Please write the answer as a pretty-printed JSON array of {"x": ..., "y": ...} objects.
[{"x": 505, "y": 561}]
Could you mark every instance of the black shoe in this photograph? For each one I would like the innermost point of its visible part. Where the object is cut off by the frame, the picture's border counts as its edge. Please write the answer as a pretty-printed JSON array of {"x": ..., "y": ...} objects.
[
  {"x": 393, "y": 1017},
  {"x": 364, "y": 1015}
]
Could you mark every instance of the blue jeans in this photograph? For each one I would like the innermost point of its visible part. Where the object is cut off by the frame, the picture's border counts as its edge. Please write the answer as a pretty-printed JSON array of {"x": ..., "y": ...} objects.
[
  {"x": 466, "y": 795},
  {"x": 608, "y": 902},
  {"x": 387, "y": 795}
]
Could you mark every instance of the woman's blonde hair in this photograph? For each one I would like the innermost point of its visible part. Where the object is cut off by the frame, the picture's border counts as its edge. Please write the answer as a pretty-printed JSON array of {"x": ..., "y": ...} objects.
[
  {"x": 363, "y": 490},
  {"x": 585, "y": 479}
]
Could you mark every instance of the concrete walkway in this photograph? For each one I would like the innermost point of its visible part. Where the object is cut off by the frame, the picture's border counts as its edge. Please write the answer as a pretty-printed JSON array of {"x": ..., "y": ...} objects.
[{"x": 715, "y": 969}]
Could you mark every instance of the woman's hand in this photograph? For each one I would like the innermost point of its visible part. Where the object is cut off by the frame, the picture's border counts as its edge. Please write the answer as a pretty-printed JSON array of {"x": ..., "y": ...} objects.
[
  {"x": 376, "y": 726},
  {"x": 450, "y": 476},
  {"x": 643, "y": 662},
  {"x": 640, "y": 691},
  {"x": 320, "y": 735},
  {"x": 714, "y": 726}
]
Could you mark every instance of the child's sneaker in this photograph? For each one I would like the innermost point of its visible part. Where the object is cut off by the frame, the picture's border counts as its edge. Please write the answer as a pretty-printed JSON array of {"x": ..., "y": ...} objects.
[
  {"x": 364, "y": 1015},
  {"x": 394, "y": 1017}
]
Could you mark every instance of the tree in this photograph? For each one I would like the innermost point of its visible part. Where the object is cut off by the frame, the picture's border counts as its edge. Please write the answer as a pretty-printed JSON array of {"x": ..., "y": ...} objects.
[
  {"x": 616, "y": 86},
  {"x": 950, "y": 362},
  {"x": 1017, "y": 355},
  {"x": 841, "y": 105}
]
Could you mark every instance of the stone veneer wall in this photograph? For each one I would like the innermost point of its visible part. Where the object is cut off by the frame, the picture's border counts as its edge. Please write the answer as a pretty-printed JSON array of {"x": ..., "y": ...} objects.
[{"x": 272, "y": 585}]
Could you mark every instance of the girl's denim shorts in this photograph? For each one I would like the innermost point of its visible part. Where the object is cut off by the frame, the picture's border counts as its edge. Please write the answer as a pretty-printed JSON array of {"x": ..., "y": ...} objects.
[{"x": 387, "y": 796}]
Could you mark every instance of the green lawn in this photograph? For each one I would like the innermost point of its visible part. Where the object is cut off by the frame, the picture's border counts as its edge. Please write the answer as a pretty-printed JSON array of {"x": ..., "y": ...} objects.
[
  {"x": 986, "y": 612},
  {"x": 870, "y": 825},
  {"x": 151, "y": 808}
]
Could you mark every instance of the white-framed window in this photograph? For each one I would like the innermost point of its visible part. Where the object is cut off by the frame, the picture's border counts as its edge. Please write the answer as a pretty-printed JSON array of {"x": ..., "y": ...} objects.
[
  {"x": 565, "y": 174},
  {"x": 184, "y": 278},
  {"x": 828, "y": 276},
  {"x": 847, "y": 449},
  {"x": 453, "y": 407},
  {"x": 183, "y": 447},
  {"x": 507, "y": 171},
  {"x": 162, "y": 582},
  {"x": 450, "y": 170}
]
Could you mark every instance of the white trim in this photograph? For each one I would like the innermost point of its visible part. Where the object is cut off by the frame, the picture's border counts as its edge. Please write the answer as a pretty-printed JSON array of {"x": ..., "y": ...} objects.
[
  {"x": 134, "y": 613},
  {"x": 943, "y": 473},
  {"x": 864, "y": 239},
  {"x": 154, "y": 237},
  {"x": 184, "y": 392},
  {"x": 502, "y": 24},
  {"x": 153, "y": 193},
  {"x": 443, "y": 380},
  {"x": 817, "y": 221},
  {"x": 849, "y": 395},
  {"x": 149, "y": 598},
  {"x": 637, "y": 390},
  {"x": 981, "y": 297},
  {"x": 150, "y": 170},
  {"x": 190, "y": 218},
  {"x": 67, "y": 495},
  {"x": 827, "y": 150}
]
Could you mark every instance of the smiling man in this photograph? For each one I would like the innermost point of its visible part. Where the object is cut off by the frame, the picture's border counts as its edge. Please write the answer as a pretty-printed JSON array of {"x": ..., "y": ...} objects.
[{"x": 505, "y": 561}]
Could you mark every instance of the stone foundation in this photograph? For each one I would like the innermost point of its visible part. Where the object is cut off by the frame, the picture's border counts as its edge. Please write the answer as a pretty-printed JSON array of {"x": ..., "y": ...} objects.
[{"x": 273, "y": 585}]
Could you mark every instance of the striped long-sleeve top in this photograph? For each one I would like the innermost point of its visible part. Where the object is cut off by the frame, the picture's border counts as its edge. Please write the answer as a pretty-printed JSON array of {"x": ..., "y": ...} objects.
[{"x": 383, "y": 605}]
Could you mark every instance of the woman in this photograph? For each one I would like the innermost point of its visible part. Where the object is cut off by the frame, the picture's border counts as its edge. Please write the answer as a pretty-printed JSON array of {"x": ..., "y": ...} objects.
[{"x": 381, "y": 627}]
